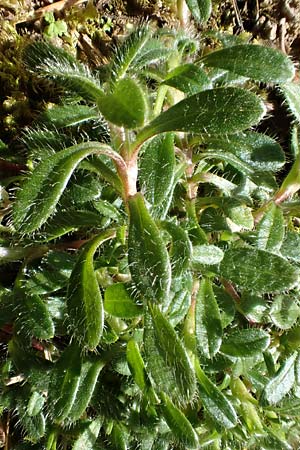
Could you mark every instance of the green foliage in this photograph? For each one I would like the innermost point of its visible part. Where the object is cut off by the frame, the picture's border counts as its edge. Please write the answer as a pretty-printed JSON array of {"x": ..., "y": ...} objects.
[{"x": 152, "y": 248}]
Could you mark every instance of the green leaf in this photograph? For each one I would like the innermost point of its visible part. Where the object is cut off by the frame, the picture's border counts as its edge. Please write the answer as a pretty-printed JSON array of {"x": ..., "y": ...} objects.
[
  {"x": 86, "y": 440},
  {"x": 215, "y": 111},
  {"x": 270, "y": 230},
  {"x": 57, "y": 64},
  {"x": 200, "y": 9},
  {"x": 90, "y": 370},
  {"x": 214, "y": 401},
  {"x": 206, "y": 255},
  {"x": 136, "y": 365},
  {"x": 66, "y": 221},
  {"x": 35, "y": 404},
  {"x": 254, "y": 307},
  {"x": 284, "y": 311},
  {"x": 41, "y": 191},
  {"x": 181, "y": 427},
  {"x": 275, "y": 274},
  {"x": 156, "y": 169},
  {"x": 291, "y": 92},
  {"x": 239, "y": 217},
  {"x": 189, "y": 79},
  {"x": 34, "y": 426},
  {"x": 281, "y": 383},
  {"x": 126, "y": 106},
  {"x": 290, "y": 248},
  {"x": 63, "y": 116},
  {"x": 208, "y": 320},
  {"x": 148, "y": 258},
  {"x": 181, "y": 248},
  {"x": 253, "y": 61},
  {"x": 167, "y": 360},
  {"x": 84, "y": 300},
  {"x": 126, "y": 54},
  {"x": 52, "y": 274},
  {"x": 64, "y": 384},
  {"x": 118, "y": 437},
  {"x": 245, "y": 343},
  {"x": 257, "y": 150},
  {"x": 119, "y": 303},
  {"x": 33, "y": 316}
]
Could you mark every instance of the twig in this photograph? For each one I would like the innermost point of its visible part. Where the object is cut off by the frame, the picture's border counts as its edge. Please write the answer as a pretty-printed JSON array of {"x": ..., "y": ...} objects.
[
  {"x": 238, "y": 15},
  {"x": 57, "y": 6}
]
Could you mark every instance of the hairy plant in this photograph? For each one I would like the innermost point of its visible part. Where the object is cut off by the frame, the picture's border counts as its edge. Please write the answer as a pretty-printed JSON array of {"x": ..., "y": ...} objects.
[{"x": 155, "y": 246}]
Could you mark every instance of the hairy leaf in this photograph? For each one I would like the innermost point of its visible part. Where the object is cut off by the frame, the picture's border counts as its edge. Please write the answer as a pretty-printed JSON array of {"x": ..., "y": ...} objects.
[
  {"x": 214, "y": 401},
  {"x": 200, "y": 9},
  {"x": 254, "y": 61},
  {"x": 181, "y": 248},
  {"x": 42, "y": 189},
  {"x": 136, "y": 365},
  {"x": 208, "y": 320},
  {"x": 270, "y": 230},
  {"x": 178, "y": 423},
  {"x": 33, "y": 316},
  {"x": 84, "y": 300},
  {"x": 284, "y": 311},
  {"x": 156, "y": 171},
  {"x": 55, "y": 63},
  {"x": 281, "y": 383},
  {"x": 188, "y": 78},
  {"x": 245, "y": 342},
  {"x": 119, "y": 303},
  {"x": 216, "y": 111},
  {"x": 126, "y": 106},
  {"x": 89, "y": 373},
  {"x": 206, "y": 255},
  {"x": 147, "y": 255},
  {"x": 291, "y": 92},
  {"x": 89, "y": 436},
  {"x": 65, "y": 383},
  {"x": 275, "y": 274},
  {"x": 67, "y": 115},
  {"x": 167, "y": 360},
  {"x": 259, "y": 151}
]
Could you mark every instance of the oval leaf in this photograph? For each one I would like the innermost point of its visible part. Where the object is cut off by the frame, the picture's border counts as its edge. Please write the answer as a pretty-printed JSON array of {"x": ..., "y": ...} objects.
[
  {"x": 167, "y": 360},
  {"x": 215, "y": 111},
  {"x": 281, "y": 383},
  {"x": 270, "y": 230},
  {"x": 284, "y": 311},
  {"x": 84, "y": 300},
  {"x": 126, "y": 106},
  {"x": 147, "y": 254},
  {"x": 189, "y": 79},
  {"x": 206, "y": 255},
  {"x": 156, "y": 171},
  {"x": 257, "y": 150},
  {"x": 89, "y": 436},
  {"x": 200, "y": 9},
  {"x": 253, "y": 61},
  {"x": 118, "y": 302},
  {"x": 33, "y": 315},
  {"x": 291, "y": 92},
  {"x": 208, "y": 321},
  {"x": 245, "y": 343},
  {"x": 275, "y": 274},
  {"x": 180, "y": 426},
  {"x": 214, "y": 401},
  {"x": 89, "y": 373}
]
